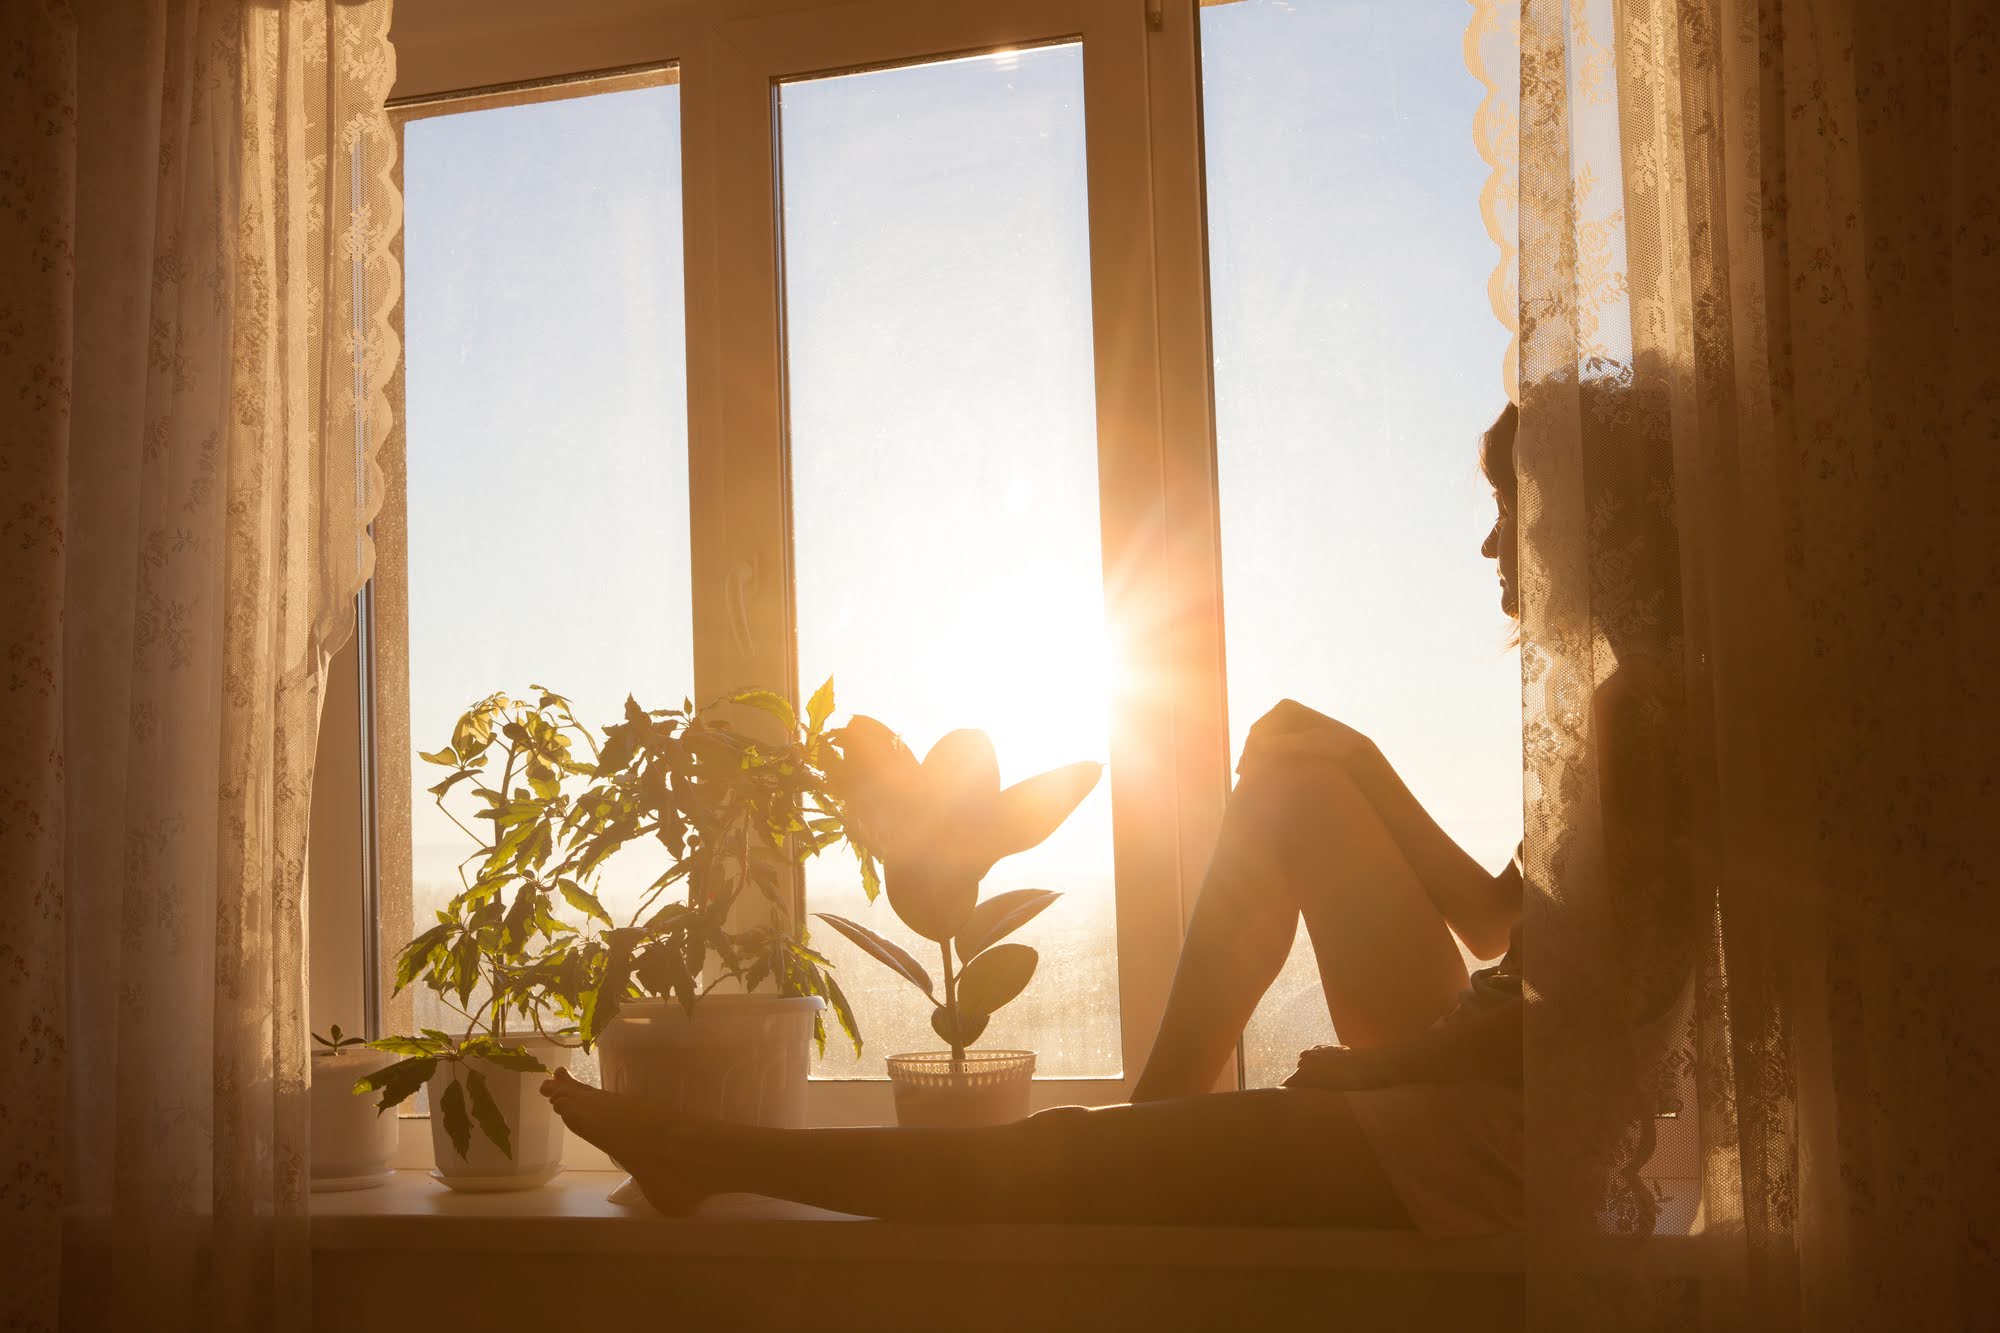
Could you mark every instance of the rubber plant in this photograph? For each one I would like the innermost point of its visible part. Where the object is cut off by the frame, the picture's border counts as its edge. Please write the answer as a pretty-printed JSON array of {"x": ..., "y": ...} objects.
[
  {"x": 937, "y": 828},
  {"x": 528, "y": 945}
]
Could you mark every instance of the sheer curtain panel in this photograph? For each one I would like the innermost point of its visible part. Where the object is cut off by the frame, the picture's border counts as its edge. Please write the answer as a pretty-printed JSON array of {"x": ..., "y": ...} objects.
[
  {"x": 195, "y": 282},
  {"x": 1758, "y": 314}
]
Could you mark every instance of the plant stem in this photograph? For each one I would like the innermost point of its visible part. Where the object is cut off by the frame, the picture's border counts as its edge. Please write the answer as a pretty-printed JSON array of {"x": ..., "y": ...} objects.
[{"x": 951, "y": 1005}]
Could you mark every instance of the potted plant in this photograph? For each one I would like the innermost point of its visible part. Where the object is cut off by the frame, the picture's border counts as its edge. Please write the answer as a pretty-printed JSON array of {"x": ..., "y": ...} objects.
[
  {"x": 353, "y": 1148},
  {"x": 531, "y": 944},
  {"x": 937, "y": 828},
  {"x": 487, "y": 946},
  {"x": 737, "y": 813}
]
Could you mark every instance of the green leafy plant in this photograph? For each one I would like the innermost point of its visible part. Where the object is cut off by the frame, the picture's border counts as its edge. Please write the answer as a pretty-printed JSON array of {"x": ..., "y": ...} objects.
[
  {"x": 938, "y": 827},
  {"x": 529, "y": 945},
  {"x": 336, "y": 1041}
]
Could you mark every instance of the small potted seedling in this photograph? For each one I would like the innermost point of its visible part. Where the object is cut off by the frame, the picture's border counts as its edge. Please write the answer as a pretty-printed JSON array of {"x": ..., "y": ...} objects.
[
  {"x": 352, "y": 1147},
  {"x": 937, "y": 828}
]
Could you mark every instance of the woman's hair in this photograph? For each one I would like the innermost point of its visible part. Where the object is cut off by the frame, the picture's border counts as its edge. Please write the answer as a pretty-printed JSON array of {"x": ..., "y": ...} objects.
[{"x": 1496, "y": 452}]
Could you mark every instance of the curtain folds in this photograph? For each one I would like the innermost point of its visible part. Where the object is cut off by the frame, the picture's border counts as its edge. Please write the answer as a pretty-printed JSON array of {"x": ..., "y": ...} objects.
[
  {"x": 1750, "y": 251},
  {"x": 194, "y": 336}
]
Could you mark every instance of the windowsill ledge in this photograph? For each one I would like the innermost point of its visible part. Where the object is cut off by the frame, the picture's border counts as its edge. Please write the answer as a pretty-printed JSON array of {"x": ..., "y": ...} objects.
[
  {"x": 572, "y": 1214},
  {"x": 563, "y": 1256}
]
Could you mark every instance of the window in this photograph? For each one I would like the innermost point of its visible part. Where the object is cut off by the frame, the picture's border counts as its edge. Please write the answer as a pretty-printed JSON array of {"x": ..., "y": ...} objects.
[
  {"x": 874, "y": 341},
  {"x": 944, "y": 483},
  {"x": 1356, "y": 363},
  {"x": 545, "y": 471}
]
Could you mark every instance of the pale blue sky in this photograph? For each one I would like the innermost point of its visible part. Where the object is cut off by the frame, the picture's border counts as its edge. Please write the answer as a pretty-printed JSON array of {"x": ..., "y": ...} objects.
[{"x": 944, "y": 435}]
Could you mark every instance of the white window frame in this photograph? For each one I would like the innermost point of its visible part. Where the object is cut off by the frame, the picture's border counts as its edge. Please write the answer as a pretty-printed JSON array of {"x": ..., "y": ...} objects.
[{"x": 1157, "y": 473}]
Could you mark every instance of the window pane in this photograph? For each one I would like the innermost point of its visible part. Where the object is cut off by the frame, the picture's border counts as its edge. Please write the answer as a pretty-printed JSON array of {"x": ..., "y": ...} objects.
[
  {"x": 547, "y": 426},
  {"x": 944, "y": 474},
  {"x": 1356, "y": 363}
]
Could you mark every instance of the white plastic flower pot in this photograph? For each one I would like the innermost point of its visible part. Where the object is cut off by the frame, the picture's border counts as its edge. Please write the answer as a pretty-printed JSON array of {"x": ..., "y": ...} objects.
[
  {"x": 535, "y": 1132},
  {"x": 934, "y": 1091},
  {"x": 353, "y": 1148},
  {"x": 738, "y": 1058}
]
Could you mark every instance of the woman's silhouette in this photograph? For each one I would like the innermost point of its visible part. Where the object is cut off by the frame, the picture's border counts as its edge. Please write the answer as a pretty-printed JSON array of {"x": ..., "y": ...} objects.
[{"x": 1414, "y": 1120}]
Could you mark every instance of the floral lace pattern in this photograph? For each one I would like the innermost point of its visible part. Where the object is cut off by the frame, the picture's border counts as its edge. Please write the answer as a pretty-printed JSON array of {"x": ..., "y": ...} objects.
[
  {"x": 196, "y": 211},
  {"x": 1756, "y": 330}
]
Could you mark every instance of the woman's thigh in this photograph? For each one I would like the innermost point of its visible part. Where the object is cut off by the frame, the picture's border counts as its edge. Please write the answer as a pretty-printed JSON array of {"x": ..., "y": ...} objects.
[
  {"x": 1388, "y": 963},
  {"x": 1269, "y": 1157}
]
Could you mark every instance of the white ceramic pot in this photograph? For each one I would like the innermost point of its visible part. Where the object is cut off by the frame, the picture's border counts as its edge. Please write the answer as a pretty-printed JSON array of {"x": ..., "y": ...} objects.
[
  {"x": 535, "y": 1132},
  {"x": 740, "y": 1058},
  {"x": 353, "y": 1148},
  {"x": 934, "y": 1091}
]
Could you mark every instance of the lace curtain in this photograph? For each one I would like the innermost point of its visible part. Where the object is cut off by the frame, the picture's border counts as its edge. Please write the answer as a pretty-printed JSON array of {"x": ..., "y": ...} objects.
[
  {"x": 1755, "y": 303},
  {"x": 196, "y": 208}
]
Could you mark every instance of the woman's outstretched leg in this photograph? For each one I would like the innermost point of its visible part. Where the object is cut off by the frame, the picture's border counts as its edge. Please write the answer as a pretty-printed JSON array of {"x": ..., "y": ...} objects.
[
  {"x": 1300, "y": 838},
  {"x": 1275, "y": 1157}
]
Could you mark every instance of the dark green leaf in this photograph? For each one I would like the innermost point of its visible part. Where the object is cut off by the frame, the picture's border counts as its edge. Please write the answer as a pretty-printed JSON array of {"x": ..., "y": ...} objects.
[
  {"x": 887, "y": 952},
  {"x": 660, "y": 970},
  {"x": 398, "y": 1081},
  {"x": 995, "y": 977},
  {"x": 465, "y": 957},
  {"x": 457, "y": 1124},
  {"x": 417, "y": 953},
  {"x": 520, "y": 919},
  {"x": 998, "y": 917},
  {"x": 487, "y": 1112},
  {"x": 957, "y": 1035}
]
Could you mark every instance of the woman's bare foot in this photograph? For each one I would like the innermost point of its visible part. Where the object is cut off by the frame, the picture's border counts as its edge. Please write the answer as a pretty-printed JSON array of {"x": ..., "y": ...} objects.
[{"x": 641, "y": 1136}]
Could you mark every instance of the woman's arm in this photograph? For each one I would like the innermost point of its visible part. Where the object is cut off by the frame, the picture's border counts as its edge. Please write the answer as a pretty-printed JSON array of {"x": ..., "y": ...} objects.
[
  {"x": 1477, "y": 1046},
  {"x": 1479, "y": 906}
]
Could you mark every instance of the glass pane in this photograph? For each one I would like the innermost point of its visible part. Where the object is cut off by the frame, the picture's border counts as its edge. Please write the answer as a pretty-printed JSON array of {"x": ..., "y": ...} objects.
[
  {"x": 944, "y": 475},
  {"x": 1356, "y": 363},
  {"x": 547, "y": 425}
]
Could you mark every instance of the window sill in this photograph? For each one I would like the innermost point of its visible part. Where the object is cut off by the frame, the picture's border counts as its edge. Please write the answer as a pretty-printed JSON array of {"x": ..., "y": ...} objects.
[
  {"x": 572, "y": 1213},
  {"x": 562, "y": 1254}
]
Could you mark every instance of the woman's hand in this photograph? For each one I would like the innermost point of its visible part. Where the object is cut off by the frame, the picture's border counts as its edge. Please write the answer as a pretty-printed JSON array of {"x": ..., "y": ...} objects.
[
  {"x": 1293, "y": 731},
  {"x": 1345, "y": 1069}
]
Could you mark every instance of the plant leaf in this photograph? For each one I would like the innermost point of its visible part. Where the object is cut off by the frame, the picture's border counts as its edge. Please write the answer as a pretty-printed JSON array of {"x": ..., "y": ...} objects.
[
  {"x": 887, "y": 952},
  {"x": 406, "y": 1046},
  {"x": 416, "y": 954},
  {"x": 819, "y": 708},
  {"x": 842, "y": 1010},
  {"x": 457, "y": 1124},
  {"x": 444, "y": 787},
  {"x": 513, "y": 1057},
  {"x": 398, "y": 1081},
  {"x": 583, "y": 900},
  {"x": 1028, "y": 812},
  {"x": 774, "y": 704},
  {"x": 962, "y": 1034},
  {"x": 995, "y": 977},
  {"x": 444, "y": 756},
  {"x": 998, "y": 917},
  {"x": 487, "y": 1112},
  {"x": 465, "y": 955}
]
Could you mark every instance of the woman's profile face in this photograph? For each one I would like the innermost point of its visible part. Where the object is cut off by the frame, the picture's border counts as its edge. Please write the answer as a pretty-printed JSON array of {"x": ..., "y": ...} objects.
[
  {"x": 1500, "y": 547},
  {"x": 1496, "y": 459}
]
